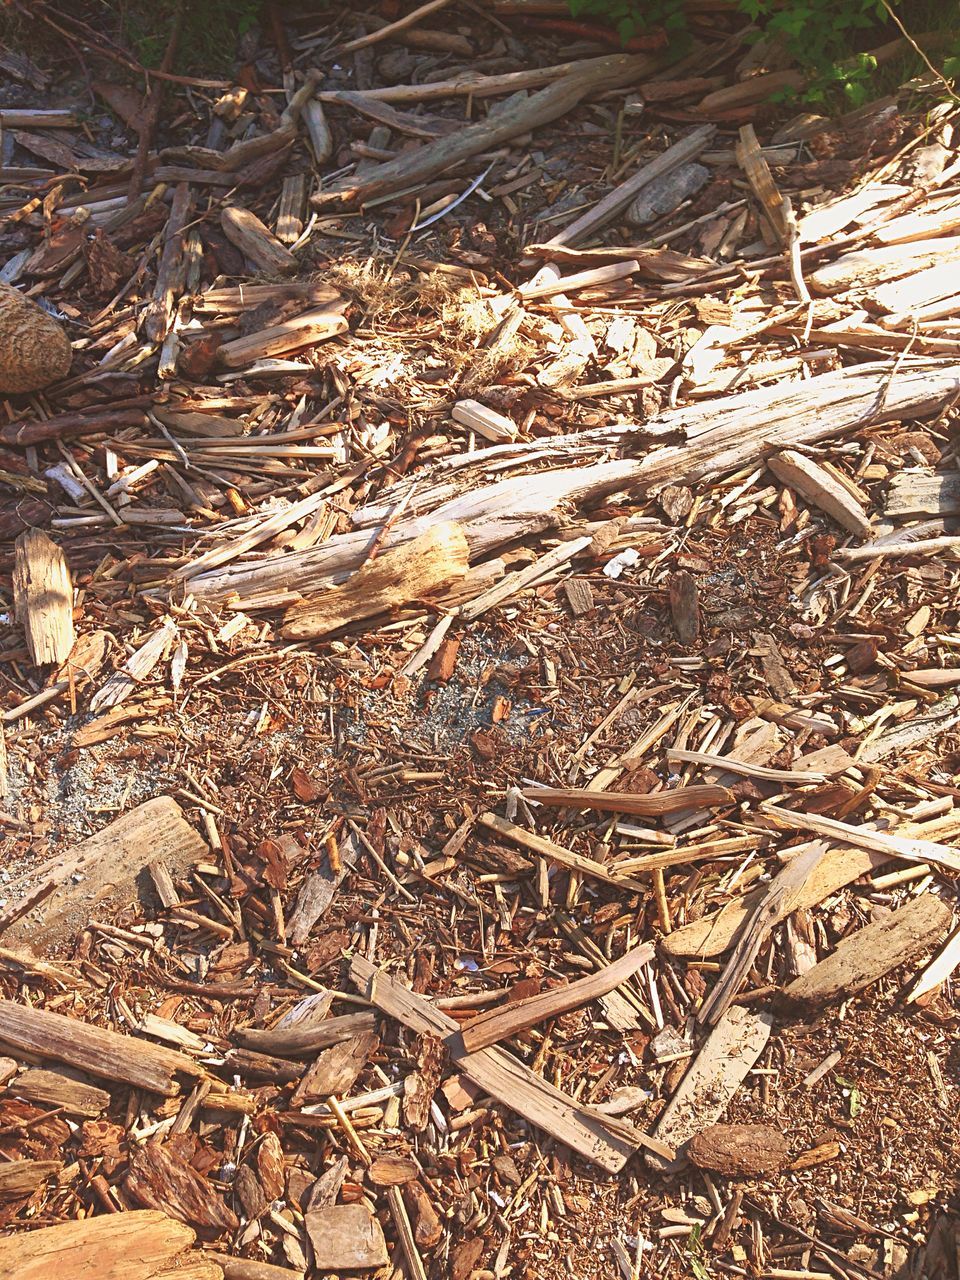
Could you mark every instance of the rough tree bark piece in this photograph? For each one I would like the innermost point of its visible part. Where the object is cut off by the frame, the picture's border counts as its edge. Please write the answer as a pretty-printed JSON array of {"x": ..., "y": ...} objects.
[
  {"x": 816, "y": 484},
  {"x": 43, "y": 597},
  {"x": 499, "y": 1073},
  {"x": 865, "y": 956},
  {"x": 109, "y": 869},
  {"x": 620, "y": 197},
  {"x": 429, "y": 563},
  {"x": 292, "y": 335},
  {"x": 76, "y": 1097},
  {"x": 159, "y": 1179},
  {"x": 245, "y": 230},
  {"x": 137, "y": 1245},
  {"x": 519, "y": 115},
  {"x": 335, "y": 1070},
  {"x": 712, "y": 935},
  {"x": 712, "y": 1079},
  {"x": 92, "y": 1049},
  {"x": 502, "y": 1024},
  {"x": 685, "y": 607},
  {"x": 740, "y": 1150},
  {"x": 646, "y": 806},
  {"x": 34, "y": 349},
  {"x": 346, "y": 1237}
]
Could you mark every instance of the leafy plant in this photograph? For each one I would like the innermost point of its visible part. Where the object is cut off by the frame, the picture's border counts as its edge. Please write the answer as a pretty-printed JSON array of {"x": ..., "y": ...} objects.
[
  {"x": 822, "y": 35},
  {"x": 210, "y": 33}
]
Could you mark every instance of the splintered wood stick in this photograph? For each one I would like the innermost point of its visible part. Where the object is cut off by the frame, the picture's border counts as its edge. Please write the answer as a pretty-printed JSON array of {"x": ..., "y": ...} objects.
[
  {"x": 556, "y": 853},
  {"x": 501, "y": 1024},
  {"x": 393, "y": 28},
  {"x": 43, "y": 597},
  {"x": 876, "y": 841},
  {"x": 629, "y": 802},
  {"x": 758, "y": 771}
]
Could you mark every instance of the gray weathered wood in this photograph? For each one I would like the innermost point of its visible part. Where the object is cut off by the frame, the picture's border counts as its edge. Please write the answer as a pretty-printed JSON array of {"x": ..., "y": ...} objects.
[{"x": 865, "y": 956}]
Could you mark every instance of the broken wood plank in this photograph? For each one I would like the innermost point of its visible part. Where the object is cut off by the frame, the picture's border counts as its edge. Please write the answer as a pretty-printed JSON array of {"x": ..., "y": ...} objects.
[
  {"x": 939, "y": 969},
  {"x": 106, "y": 871},
  {"x": 815, "y": 483},
  {"x": 503, "y": 1076},
  {"x": 136, "y": 668},
  {"x": 913, "y": 494},
  {"x": 299, "y": 1042},
  {"x": 865, "y": 956},
  {"x": 137, "y": 1245},
  {"x": 256, "y": 242},
  {"x": 429, "y": 563},
  {"x": 685, "y": 606},
  {"x": 502, "y": 1024},
  {"x": 486, "y": 422},
  {"x": 526, "y": 577},
  {"x": 869, "y": 268},
  {"x": 99, "y": 1052},
  {"x": 652, "y": 805},
  {"x": 518, "y": 115},
  {"x": 43, "y": 597},
  {"x": 877, "y": 841},
  {"x": 712, "y": 1079}
]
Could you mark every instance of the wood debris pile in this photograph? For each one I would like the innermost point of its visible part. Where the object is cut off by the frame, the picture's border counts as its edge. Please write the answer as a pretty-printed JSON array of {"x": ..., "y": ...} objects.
[{"x": 481, "y": 696}]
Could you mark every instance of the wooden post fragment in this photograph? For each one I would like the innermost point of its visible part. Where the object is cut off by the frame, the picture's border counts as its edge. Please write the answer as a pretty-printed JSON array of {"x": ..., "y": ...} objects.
[
  {"x": 43, "y": 597},
  {"x": 685, "y": 606},
  {"x": 300, "y": 1042},
  {"x": 865, "y": 956},
  {"x": 815, "y": 483},
  {"x": 486, "y": 422},
  {"x": 256, "y": 242},
  {"x": 429, "y": 563},
  {"x": 647, "y": 806},
  {"x": 109, "y": 869},
  {"x": 501, "y": 1074},
  {"x": 502, "y": 1024},
  {"x": 291, "y": 335},
  {"x": 92, "y": 1049},
  {"x": 713, "y": 1078}
]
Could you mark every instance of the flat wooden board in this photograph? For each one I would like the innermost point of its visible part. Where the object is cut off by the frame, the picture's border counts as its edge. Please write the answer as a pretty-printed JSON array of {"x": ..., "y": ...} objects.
[
  {"x": 108, "y": 871},
  {"x": 138, "y": 1245},
  {"x": 714, "y": 1077},
  {"x": 865, "y": 956}
]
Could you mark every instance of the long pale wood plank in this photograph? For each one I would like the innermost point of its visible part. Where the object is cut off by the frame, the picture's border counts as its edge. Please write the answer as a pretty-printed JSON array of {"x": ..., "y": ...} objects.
[
  {"x": 102, "y": 1053},
  {"x": 713, "y": 1078},
  {"x": 556, "y": 853},
  {"x": 712, "y": 935},
  {"x": 503, "y": 1076},
  {"x": 912, "y": 850},
  {"x": 136, "y": 1245},
  {"x": 500, "y": 1024},
  {"x": 865, "y": 956}
]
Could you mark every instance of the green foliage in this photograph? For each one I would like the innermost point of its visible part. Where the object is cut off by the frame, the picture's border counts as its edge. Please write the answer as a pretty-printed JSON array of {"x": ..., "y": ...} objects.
[
  {"x": 822, "y": 35},
  {"x": 208, "y": 41}
]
